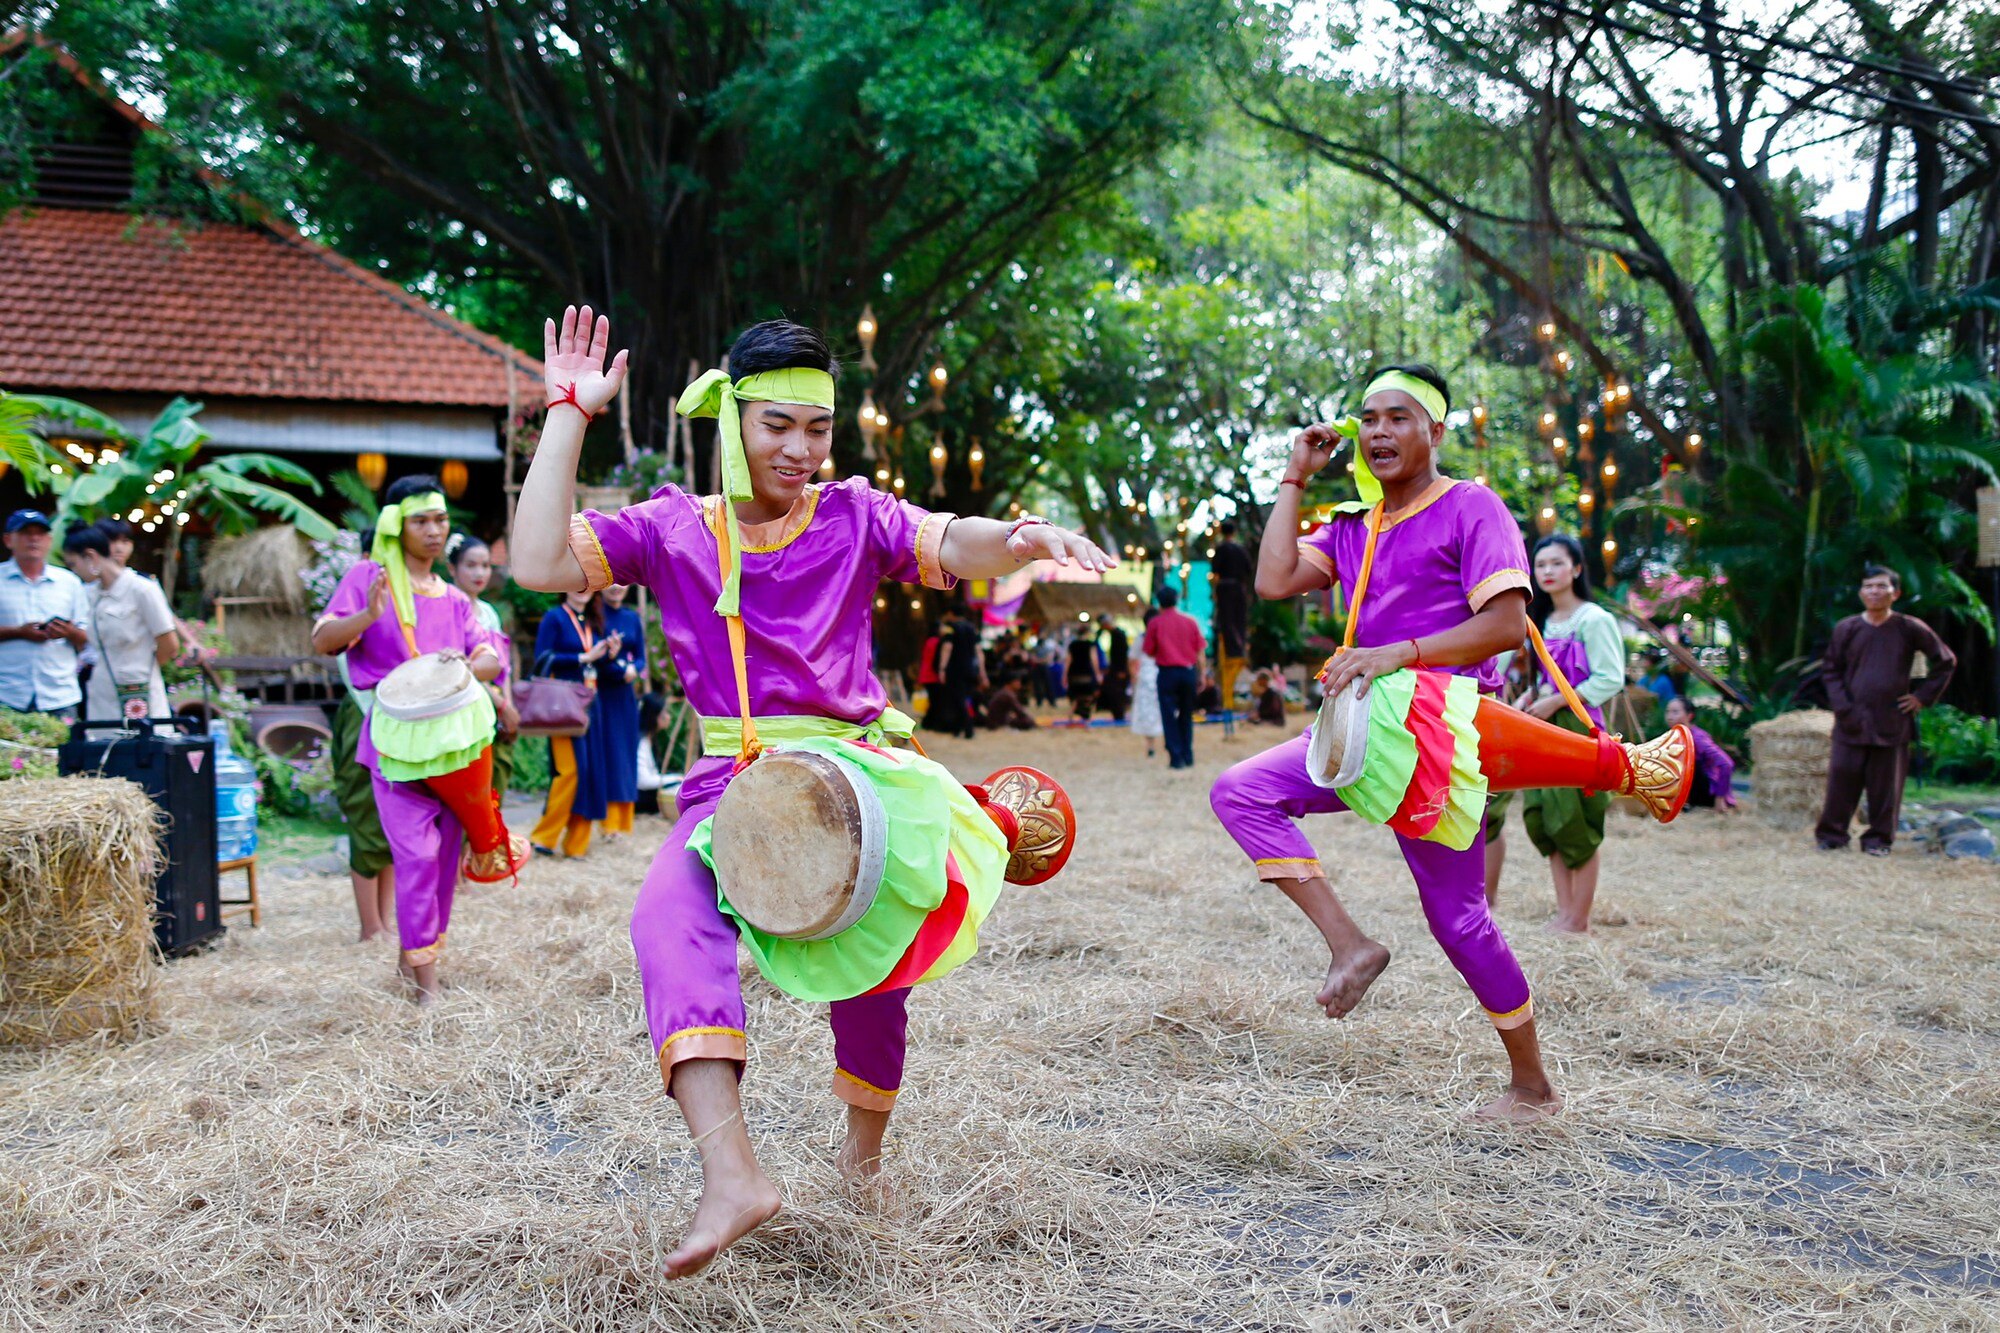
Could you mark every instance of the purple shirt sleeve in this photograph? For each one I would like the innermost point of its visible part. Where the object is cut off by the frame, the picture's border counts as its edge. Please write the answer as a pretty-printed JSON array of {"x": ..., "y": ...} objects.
[
  {"x": 351, "y": 593},
  {"x": 632, "y": 544},
  {"x": 904, "y": 540},
  {"x": 1316, "y": 547},
  {"x": 1491, "y": 556}
]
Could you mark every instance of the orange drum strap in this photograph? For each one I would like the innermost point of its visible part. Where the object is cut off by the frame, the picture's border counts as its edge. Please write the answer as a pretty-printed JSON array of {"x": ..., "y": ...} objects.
[
  {"x": 1562, "y": 682},
  {"x": 738, "y": 648},
  {"x": 1360, "y": 587}
]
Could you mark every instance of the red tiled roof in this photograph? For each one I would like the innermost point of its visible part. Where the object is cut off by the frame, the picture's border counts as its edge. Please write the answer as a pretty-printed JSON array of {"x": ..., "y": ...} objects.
[{"x": 107, "y": 302}]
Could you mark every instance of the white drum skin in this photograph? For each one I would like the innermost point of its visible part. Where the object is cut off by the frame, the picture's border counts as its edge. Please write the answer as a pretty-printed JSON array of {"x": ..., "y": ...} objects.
[
  {"x": 427, "y": 686},
  {"x": 800, "y": 842},
  {"x": 1339, "y": 750}
]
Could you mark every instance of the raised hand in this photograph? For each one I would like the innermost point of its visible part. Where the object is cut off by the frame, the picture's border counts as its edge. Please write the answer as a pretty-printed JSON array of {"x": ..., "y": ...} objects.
[
  {"x": 1313, "y": 448},
  {"x": 1046, "y": 541},
  {"x": 573, "y": 361},
  {"x": 378, "y": 596}
]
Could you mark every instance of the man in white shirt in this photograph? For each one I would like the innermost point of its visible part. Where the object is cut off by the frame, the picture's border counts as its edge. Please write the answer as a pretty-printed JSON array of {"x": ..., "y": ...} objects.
[
  {"x": 131, "y": 628},
  {"x": 43, "y": 612}
]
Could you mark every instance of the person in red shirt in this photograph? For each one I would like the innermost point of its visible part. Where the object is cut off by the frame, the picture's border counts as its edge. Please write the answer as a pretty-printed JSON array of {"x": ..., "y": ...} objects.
[{"x": 1175, "y": 641}]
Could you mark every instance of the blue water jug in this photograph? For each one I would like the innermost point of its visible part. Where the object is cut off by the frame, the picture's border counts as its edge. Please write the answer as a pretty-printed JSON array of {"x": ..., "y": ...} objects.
[{"x": 235, "y": 799}]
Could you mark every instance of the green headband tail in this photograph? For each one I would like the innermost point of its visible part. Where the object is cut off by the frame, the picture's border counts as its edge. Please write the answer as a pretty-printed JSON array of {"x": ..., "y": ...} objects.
[
  {"x": 1364, "y": 479},
  {"x": 716, "y": 395},
  {"x": 387, "y": 549}
]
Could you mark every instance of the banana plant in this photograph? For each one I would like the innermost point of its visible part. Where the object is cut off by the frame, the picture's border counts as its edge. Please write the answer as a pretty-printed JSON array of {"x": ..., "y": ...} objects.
[
  {"x": 21, "y": 444},
  {"x": 156, "y": 469}
]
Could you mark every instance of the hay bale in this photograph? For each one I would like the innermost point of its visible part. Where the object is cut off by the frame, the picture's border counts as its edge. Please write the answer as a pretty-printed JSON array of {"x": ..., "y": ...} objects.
[
  {"x": 1788, "y": 758},
  {"x": 266, "y": 563},
  {"x": 78, "y": 857},
  {"x": 264, "y": 631}
]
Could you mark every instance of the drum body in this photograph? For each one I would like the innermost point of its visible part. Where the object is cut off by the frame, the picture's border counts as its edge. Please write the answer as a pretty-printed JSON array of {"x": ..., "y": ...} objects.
[
  {"x": 432, "y": 716},
  {"x": 1339, "y": 750},
  {"x": 800, "y": 843}
]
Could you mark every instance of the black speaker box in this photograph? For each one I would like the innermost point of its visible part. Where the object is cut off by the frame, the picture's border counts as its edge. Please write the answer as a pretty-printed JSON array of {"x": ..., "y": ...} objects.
[{"x": 178, "y": 772}]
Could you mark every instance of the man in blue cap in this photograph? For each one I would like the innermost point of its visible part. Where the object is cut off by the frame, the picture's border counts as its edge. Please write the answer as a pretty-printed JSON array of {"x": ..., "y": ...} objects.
[{"x": 43, "y": 611}]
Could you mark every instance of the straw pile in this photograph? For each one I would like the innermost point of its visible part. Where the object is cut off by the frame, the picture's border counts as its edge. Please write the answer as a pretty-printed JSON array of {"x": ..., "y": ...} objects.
[
  {"x": 265, "y": 563},
  {"x": 1125, "y": 1114},
  {"x": 78, "y": 858},
  {"x": 1788, "y": 757}
]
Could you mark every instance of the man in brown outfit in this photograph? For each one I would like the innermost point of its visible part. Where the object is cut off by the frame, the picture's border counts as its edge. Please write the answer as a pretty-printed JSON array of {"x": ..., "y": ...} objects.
[{"x": 1867, "y": 675}]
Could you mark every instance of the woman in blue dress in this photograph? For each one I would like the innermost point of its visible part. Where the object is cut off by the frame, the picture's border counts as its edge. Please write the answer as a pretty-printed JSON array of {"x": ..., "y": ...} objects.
[
  {"x": 618, "y": 708},
  {"x": 572, "y": 645}
]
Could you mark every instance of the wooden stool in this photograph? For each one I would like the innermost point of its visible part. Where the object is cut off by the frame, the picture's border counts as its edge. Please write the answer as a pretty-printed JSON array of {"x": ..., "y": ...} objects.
[{"x": 248, "y": 865}]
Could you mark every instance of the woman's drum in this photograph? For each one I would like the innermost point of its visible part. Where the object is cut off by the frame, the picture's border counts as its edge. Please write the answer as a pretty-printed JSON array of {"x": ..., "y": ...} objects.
[
  {"x": 800, "y": 841},
  {"x": 433, "y": 722}
]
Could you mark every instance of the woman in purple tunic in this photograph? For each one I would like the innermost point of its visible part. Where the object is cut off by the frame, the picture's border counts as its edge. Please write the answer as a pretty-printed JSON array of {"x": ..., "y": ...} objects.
[
  {"x": 1715, "y": 771},
  {"x": 804, "y": 587},
  {"x": 1447, "y": 592},
  {"x": 384, "y": 612}
]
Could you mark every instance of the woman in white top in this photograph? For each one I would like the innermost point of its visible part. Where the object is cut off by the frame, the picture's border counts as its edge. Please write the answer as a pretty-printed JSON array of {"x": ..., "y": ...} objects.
[
  {"x": 1583, "y": 638},
  {"x": 131, "y": 630},
  {"x": 1146, "y": 693}
]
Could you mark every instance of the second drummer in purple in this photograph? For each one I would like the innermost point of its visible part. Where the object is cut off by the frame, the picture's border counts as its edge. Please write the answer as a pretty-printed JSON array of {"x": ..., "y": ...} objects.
[
  {"x": 812, "y": 556},
  {"x": 1447, "y": 592}
]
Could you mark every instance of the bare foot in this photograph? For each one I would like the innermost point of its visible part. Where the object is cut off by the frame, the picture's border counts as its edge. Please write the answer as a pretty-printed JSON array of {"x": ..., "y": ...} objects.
[
  {"x": 1350, "y": 977},
  {"x": 729, "y": 1210},
  {"x": 1520, "y": 1106},
  {"x": 1560, "y": 925}
]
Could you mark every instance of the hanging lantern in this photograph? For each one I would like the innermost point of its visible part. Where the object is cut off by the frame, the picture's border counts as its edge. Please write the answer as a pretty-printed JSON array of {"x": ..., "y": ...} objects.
[
  {"x": 452, "y": 477},
  {"x": 938, "y": 458},
  {"x": 866, "y": 331},
  {"x": 977, "y": 461},
  {"x": 940, "y": 378},
  {"x": 1548, "y": 423},
  {"x": 826, "y": 468},
  {"x": 1545, "y": 521},
  {"x": 374, "y": 470},
  {"x": 1694, "y": 443},
  {"x": 1586, "y": 500},
  {"x": 871, "y": 423}
]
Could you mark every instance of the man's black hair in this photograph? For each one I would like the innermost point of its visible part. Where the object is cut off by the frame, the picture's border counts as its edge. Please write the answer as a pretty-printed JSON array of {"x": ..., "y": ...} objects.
[
  {"x": 461, "y": 545},
  {"x": 89, "y": 537},
  {"x": 1424, "y": 371},
  {"x": 1169, "y": 598},
  {"x": 1540, "y": 605},
  {"x": 1228, "y": 527},
  {"x": 779, "y": 344},
  {"x": 1868, "y": 571},
  {"x": 402, "y": 488}
]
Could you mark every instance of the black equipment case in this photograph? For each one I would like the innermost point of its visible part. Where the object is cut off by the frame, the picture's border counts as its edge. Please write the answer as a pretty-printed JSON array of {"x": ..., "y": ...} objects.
[{"x": 178, "y": 772}]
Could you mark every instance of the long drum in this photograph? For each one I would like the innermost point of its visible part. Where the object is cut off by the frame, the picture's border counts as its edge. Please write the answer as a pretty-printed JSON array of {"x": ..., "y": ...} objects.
[{"x": 800, "y": 843}]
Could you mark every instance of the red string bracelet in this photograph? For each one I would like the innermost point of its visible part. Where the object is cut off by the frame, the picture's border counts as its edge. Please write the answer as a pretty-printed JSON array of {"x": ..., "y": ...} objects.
[
  {"x": 1294, "y": 481},
  {"x": 1419, "y": 663},
  {"x": 568, "y": 395}
]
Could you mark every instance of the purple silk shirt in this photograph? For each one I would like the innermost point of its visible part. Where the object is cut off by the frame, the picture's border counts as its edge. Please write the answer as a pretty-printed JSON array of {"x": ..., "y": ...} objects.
[
  {"x": 1436, "y": 564},
  {"x": 444, "y": 620},
  {"x": 1716, "y": 766},
  {"x": 809, "y": 584}
]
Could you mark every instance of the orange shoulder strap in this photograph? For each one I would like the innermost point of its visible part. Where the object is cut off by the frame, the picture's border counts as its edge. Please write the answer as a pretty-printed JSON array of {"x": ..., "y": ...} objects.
[
  {"x": 738, "y": 647},
  {"x": 1562, "y": 682}
]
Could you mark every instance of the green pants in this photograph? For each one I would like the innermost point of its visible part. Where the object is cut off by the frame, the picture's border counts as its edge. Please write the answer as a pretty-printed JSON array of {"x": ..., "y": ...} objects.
[
  {"x": 1563, "y": 821},
  {"x": 354, "y": 791},
  {"x": 503, "y": 765}
]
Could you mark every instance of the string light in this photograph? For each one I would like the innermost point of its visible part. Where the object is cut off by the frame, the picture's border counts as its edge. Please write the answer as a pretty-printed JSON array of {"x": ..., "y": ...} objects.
[{"x": 1610, "y": 470}]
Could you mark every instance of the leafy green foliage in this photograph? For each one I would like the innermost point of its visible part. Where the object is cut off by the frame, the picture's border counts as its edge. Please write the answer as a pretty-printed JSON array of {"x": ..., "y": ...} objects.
[{"x": 1958, "y": 746}]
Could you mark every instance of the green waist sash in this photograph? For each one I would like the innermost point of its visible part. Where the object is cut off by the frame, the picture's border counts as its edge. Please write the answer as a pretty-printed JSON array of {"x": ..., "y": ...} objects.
[{"x": 722, "y": 737}]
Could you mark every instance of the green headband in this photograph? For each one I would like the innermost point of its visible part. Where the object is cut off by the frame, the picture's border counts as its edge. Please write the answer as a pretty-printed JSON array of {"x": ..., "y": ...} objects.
[
  {"x": 1427, "y": 397},
  {"x": 387, "y": 549},
  {"x": 716, "y": 395}
]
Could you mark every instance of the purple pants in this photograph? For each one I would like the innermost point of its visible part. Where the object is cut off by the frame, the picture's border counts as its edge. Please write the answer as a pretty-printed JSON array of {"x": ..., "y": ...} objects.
[
  {"x": 694, "y": 996},
  {"x": 424, "y": 842},
  {"x": 1257, "y": 802}
]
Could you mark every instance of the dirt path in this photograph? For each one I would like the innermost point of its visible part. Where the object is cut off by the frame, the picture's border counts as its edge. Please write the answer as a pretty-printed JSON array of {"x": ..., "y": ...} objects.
[{"x": 1125, "y": 1114}]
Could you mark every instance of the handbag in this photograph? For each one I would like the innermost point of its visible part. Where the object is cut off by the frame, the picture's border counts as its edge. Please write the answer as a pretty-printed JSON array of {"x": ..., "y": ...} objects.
[{"x": 552, "y": 707}]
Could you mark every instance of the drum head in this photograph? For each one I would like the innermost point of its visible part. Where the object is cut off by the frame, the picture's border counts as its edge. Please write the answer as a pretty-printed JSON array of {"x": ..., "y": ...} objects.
[
  {"x": 1340, "y": 739},
  {"x": 426, "y": 686},
  {"x": 799, "y": 844}
]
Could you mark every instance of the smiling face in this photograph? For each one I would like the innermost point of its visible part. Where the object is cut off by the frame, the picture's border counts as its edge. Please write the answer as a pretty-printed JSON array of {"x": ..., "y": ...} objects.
[
  {"x": 1398, "y": 438},
  {"x": 425, "y": 534},
  {"x": 1554, "y": 570},
  {"x": 785, "y": 443}
]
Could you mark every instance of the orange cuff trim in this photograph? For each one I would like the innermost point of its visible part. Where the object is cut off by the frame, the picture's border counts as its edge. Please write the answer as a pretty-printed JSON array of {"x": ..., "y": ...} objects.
[
  {"x": 589, "y": 553},
  {"x": 860, "y": 1092},
  {"x": 1487, "y": 588},
  {"x": 1514, "y": 1018},
  {"x": 1317, "y": 558},
  {"x": 929, "y": 551},
  {"x": 1273, "y": 868},
  {"x": 701, "y": 1044},
  {"x": 430, "y": 953}
]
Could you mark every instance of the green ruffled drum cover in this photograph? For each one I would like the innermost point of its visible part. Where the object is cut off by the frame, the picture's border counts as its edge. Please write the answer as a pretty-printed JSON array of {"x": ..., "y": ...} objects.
[
  {"x": 412, "y": 750},
  {"x": 930, "y": 815},
  {"x": 1423, "y": 777}
]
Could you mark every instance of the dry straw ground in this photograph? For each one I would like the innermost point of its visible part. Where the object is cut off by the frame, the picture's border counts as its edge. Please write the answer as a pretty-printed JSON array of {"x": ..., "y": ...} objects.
[{"x": 1125, "y": 1115}]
